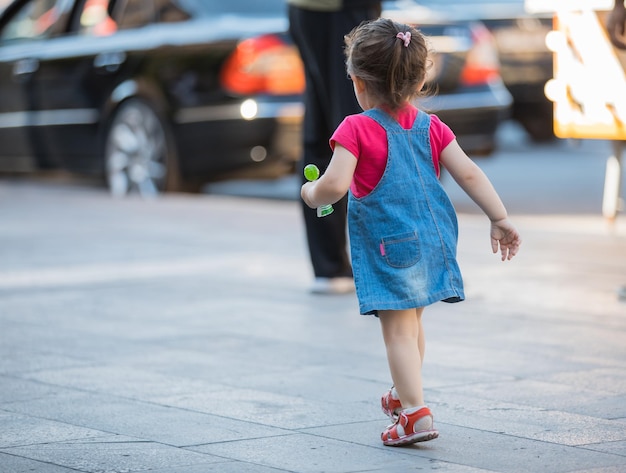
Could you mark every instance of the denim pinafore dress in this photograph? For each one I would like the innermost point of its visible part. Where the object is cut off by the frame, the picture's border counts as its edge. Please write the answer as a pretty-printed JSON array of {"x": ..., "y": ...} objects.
[{"x": 403, "y": 234}]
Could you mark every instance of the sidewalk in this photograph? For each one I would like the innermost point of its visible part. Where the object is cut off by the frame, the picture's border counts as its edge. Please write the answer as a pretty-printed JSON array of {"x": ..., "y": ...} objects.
[{"x": 178, "y": 336}]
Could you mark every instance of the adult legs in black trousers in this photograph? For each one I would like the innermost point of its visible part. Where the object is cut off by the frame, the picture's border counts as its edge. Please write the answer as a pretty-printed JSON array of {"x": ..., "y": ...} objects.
[{"x": 328, "y": 99}]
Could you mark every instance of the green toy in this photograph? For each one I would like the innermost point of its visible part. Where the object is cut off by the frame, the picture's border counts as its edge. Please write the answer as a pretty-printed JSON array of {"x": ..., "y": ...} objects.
[{"x": 312, "y": 173}]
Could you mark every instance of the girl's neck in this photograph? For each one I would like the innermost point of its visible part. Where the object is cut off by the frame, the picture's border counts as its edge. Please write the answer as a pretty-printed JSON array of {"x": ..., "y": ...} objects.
[{"x": 387, "y": 109}]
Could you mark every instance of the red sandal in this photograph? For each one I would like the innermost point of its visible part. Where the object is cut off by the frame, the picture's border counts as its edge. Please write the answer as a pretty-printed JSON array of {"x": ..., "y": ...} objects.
[
  {"x": 410, "y": 428},
  {"x": 391, "y": 405}
]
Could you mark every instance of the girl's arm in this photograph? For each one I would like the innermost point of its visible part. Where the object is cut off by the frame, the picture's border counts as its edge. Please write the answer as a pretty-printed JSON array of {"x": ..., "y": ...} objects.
[
  {"x": 334, "y": 183},
  {"x": 478, "y": 187}
]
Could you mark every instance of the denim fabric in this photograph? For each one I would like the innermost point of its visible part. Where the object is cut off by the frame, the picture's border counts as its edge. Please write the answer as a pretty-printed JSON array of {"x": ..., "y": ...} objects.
[{"x": 403, "y": 235}]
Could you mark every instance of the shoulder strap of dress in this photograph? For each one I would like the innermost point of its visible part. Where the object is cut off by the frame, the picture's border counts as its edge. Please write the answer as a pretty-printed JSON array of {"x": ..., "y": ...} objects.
[
  {"x": 381, "y": 117},
  {"x": 422, "y": 120}
]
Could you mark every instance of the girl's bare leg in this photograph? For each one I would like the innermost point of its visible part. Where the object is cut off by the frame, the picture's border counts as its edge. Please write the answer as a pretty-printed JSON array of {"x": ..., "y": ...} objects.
[
  {"x": 421, "y": 338},
  {"x": 405, "y": 344}
]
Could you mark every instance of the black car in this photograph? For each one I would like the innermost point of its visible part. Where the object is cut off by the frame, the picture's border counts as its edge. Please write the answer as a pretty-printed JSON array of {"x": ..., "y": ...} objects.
[
  {"x": 526, "y": 62},
  {"x": 163, "y": 95},
  {"x": 152, "y": 94}
]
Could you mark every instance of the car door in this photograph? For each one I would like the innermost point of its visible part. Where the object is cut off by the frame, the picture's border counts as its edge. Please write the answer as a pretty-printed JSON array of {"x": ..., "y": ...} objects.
[
  {"x": 29, "y": 33},
  {"x": 15, "y": 152},
  {"x": 76, "y": 71},
  {"x": 59, "y": 63},
  {"x": 22, "y": 29}
]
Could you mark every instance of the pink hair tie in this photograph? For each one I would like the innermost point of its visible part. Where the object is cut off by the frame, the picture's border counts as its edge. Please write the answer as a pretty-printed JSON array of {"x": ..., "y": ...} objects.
[{"x": 406, "y": 37}]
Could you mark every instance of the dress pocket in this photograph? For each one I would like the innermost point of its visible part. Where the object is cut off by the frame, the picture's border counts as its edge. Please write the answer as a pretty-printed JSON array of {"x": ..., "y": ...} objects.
[{"x": 402, "y": 250}]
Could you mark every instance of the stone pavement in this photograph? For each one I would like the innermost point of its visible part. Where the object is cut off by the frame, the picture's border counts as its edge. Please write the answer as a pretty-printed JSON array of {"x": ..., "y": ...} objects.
[{"x": 178, "y": 336}]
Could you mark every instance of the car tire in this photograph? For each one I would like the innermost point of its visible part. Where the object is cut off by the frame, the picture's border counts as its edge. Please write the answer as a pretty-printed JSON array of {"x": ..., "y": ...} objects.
[{"x": 139, "y": 153}]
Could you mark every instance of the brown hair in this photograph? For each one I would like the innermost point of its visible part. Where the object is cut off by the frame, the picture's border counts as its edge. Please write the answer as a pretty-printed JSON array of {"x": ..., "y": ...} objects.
[{"x": 391, "y": 72}]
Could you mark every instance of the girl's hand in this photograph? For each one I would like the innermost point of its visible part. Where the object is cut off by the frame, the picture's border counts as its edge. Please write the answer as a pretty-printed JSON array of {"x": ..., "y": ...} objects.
[
  {"x": 335, "y": 181},
  {"x": 304, "y": 193},
  {"x": 505, "y": 236}
]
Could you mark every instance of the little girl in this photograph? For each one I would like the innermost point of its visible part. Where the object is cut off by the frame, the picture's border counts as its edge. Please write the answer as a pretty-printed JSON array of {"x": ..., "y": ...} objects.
[{"x": 402, "y": 225}]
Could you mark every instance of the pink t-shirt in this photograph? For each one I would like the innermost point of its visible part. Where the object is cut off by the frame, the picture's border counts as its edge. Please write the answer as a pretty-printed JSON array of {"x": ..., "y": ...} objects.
[{"x": 367, "y": 140}]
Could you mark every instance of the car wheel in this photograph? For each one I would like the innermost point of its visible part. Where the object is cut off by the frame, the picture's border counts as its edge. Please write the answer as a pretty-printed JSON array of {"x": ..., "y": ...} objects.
[{"x": 139, "y": 155}]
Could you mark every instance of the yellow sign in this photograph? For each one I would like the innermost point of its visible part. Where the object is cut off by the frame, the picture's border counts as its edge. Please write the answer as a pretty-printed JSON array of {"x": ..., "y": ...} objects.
[{"x": 589, "y": 85}]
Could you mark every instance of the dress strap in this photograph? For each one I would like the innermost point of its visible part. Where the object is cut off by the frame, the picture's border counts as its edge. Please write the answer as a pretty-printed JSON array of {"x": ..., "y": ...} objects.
[
  {"x": 384, "y": 119},
  {"x": 422, "y": 120}
]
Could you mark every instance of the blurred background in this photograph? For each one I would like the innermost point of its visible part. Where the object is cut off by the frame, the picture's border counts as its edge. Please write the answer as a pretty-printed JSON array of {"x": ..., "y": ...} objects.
[{"x": 151, "y": 96}]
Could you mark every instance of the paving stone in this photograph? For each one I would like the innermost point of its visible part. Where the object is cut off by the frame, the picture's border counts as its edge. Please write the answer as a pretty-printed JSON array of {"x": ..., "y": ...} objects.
[
  {"x": 20, "y": 390},
  {"x": 122, "y": 381},
  {"x": 608, "y": 469},
  {"x": 309, "y": 453},
  {"x": 266, "y": 408},
  {"x": 18, "y": 430},
  {"x": 20, "y": 359},
  {"x": 222, "y": 467},
  {"x": 523, "y": 421},
  {"x": 482, "y": 449},
  {"x": 158, "y": 423},
  {"x": 16, "y": 464},
  {"x": 603, "y": 379},
  {"x": 618, "y": 448},
  {"x": 547, "y": 395},
  {"x": 113, "y": 453}
]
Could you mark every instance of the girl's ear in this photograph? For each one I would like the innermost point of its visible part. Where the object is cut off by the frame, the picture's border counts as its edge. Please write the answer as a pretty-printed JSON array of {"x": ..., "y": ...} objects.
[{"x": 359, "y": 84}]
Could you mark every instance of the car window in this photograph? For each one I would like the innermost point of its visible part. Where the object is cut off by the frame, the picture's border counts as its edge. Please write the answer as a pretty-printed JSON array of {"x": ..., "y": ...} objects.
[
  {"x": 169, "y": 11},
  {"x": 241, "y": 7},
  {"x": 461, "y": 2},
  {"x": 134, "y": 13},
  {"x": 102, "y": 17},
  {"x": 130, "y": 14},
  {"x": 37, "y": 19},
  {"x": 95, "y": 19}
]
